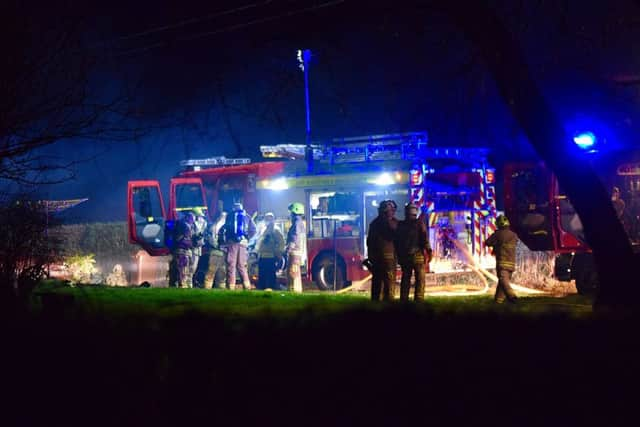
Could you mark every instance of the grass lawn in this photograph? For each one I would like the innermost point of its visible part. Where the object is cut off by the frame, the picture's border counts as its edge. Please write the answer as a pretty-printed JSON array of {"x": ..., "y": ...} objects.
[
  {"x": 145, "y": 356},
  {"x": 112, "y": 302}
]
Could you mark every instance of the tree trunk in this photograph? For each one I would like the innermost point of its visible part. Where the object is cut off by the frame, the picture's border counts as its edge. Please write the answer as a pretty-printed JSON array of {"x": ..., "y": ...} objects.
[{"x": 618, "y": 270}]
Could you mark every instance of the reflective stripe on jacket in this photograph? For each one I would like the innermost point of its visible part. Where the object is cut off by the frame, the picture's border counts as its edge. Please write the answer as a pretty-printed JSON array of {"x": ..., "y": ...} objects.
[
  {"x": 271, "y": 244},
  {"x": 503, "y": 242},
  {"x": 296, "y": 237}
]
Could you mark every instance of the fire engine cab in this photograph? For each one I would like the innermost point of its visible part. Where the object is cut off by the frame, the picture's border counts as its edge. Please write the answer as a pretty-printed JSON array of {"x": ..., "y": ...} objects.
[
  {"x": 545, "y": 220},
  {"x": 341, "y": 184}
]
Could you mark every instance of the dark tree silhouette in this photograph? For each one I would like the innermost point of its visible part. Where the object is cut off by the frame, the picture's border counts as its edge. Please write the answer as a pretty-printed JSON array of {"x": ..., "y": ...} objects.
[
  {"x": 49, "y": 93},
  {"x": 26, "y": 247},
  {"x": 617, "y": 266}
]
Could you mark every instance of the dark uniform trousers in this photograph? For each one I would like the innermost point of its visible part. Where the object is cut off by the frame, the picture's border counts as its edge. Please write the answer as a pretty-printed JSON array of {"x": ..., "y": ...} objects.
[
  {"x": 504, "y": 290},
  {"x": 266, "y": 273},
  {"x": 383, "y": 278},
  {"x": 414, "y": 265}
]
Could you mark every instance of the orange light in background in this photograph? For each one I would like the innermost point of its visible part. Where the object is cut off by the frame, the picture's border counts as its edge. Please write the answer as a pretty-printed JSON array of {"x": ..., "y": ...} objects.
[
  {"x": 491, "y": 177},
  {"x": 415, "y": 177}
]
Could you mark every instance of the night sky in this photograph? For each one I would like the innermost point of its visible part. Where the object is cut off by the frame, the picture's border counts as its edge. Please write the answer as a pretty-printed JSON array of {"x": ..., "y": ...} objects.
[{"x": 221, "y": 78}]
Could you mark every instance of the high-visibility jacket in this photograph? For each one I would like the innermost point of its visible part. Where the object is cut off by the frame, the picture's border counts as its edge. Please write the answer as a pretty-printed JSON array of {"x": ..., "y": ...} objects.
[
  {"x": 296, "y": 237},
  {"x": 211, "y": 237},
  {"x": 199, "y": 228},
  {"x": 503, "y": 242},
  {"x": 271, "y": 243}
]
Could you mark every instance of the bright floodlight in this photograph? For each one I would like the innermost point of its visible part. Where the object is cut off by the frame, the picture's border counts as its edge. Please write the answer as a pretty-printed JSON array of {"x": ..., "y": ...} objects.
[
  {"x": 278, "y": 184},
  {"x": 384, "y": 179},
  {"x": 585, "y": 140}
]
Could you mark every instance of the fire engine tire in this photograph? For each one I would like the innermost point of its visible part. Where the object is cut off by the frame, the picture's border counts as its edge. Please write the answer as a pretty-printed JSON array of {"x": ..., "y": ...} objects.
[{"x": 323, "y": 273}]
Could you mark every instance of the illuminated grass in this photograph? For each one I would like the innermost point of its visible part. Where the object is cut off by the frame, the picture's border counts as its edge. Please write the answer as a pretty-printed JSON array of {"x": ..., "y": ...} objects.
[{"x": 115, "y": 303}]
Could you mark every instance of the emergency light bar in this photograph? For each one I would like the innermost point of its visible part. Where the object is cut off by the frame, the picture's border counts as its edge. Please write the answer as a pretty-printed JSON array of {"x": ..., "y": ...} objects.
[{"x": 215, "y": 161}]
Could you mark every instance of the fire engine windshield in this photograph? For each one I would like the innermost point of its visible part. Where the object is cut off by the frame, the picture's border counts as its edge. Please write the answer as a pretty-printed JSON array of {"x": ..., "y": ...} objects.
[{"x": 188, "y": 196}]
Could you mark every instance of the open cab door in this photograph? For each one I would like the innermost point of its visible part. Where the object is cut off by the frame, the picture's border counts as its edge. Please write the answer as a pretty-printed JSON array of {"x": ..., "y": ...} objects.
[
  {"x": 146, "y": 216},
  {"x": 184, "y": 195},
  {"x": 529, "y": 204}
]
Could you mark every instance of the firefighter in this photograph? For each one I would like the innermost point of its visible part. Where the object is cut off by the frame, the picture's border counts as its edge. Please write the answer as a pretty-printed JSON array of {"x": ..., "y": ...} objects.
[
  {"x": 381, "y": 251},
  {"x": 618, "y": 203},
  {"x": 270, "y": 248},
  {"x": 183, "y": 243},
  {"x": 414, "y": 252},
  {"x": 295, "y": 247},
  {"x": 239, "y": 228},
  {"x": 216, "y": 269},
  {"x": 503, "y": 242},
  {"x": 200, "y": 226}
]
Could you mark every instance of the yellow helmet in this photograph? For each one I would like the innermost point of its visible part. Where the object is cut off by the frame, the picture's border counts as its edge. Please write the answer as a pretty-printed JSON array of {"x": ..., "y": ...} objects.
[
  {"x": 197, "y": 211},
  {"x": 502, "y": 221},
  {"x": 296, "y": 208}
]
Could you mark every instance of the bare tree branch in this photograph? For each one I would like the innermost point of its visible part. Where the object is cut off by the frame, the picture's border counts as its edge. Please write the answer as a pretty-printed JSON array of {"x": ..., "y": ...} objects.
[{"x": 47, "y": 95}]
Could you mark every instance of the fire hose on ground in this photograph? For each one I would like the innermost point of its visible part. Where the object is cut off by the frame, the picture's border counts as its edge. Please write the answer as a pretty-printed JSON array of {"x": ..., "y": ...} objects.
[{"x": 482, "y": 273}]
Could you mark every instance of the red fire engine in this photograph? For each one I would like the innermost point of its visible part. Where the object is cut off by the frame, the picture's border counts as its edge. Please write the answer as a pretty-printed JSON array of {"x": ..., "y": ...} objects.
[
  {"x": 340, "y": 186},
  {"x": 545, "y": 220}
]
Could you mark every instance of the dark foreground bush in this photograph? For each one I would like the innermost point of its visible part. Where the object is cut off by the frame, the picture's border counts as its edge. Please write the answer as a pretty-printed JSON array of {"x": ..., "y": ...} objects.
[{"x": 382, "y": 367}]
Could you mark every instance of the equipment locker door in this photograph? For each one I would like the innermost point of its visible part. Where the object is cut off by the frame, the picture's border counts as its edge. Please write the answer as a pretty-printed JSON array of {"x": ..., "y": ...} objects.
[{"x": 146, "y": 216}]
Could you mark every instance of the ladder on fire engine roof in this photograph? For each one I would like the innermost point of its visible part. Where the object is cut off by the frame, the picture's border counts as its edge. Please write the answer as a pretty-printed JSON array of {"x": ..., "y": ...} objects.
[
  {"x": 411, "y": 146},
  {"x": 214, "y": 161}
]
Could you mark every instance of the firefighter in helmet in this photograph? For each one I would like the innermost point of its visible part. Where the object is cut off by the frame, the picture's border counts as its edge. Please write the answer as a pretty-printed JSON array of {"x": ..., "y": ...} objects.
[
  {"x": 200, "y": 226},
  {"x": 216, "y": 269},
  {"x": 182, "y": 251},
  {"x": 234, "y": 236},
  {"x": 381, "y": 252},
  {"x": 295, "y": 247},
  {"x": 414, "y": 252},
  {"x": 270, "y": 248},
  {"x": 503, "y": 242}
]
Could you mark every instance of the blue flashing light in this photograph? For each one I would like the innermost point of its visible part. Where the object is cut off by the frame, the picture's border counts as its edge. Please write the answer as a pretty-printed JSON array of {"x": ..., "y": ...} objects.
[{"x": 585, "y": 140}]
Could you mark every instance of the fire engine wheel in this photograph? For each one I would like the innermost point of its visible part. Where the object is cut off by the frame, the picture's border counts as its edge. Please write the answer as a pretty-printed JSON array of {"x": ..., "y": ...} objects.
[
  {"x": 323, "y": 272},
  {"x": 585, "y": 274}
]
